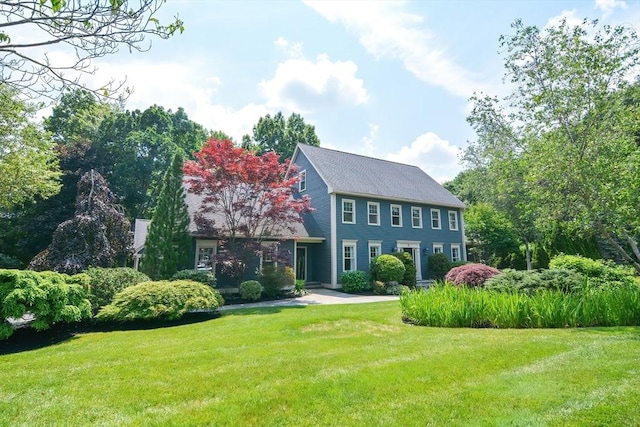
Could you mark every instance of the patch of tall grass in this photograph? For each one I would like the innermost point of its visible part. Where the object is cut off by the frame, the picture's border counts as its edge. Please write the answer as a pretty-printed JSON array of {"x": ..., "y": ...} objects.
[{"x": 444, "y": 305}]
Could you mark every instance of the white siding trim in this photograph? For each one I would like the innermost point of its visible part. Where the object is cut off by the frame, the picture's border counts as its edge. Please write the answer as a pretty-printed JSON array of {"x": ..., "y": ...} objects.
[{"x": 334, "y": 241}]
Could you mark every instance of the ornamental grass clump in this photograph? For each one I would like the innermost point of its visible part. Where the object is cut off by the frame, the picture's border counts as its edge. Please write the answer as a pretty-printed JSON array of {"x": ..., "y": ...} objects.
[{"x": 471, "y": 275}]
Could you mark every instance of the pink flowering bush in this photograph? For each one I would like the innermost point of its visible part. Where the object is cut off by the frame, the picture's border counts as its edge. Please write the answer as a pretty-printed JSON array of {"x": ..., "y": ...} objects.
[{"x": 471, "y": 275}]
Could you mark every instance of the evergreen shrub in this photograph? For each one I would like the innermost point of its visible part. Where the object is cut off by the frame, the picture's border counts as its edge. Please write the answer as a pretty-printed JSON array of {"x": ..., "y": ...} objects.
[
  {"x": 160, "y": 300},
  {"x": 471, "y": 275},
  {"x": 438, "y": 265},
  {"x": 250, "y": 290},
  {"x": 49, "y": 296},
  {"x": 200, "y": 276},
  {"x": 600, "y": 272},
  {"x": 354, "y": 281},
  {"x": 105, "y": 283},
  {"x": 387, "y": 268},
  {"x": 410, "y": 273}
]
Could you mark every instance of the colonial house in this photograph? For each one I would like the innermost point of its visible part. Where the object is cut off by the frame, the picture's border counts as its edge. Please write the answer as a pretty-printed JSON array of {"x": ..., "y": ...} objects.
[{"x": 363, "y": 207}]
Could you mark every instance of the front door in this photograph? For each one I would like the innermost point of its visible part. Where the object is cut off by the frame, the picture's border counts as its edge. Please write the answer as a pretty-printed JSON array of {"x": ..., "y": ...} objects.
[
  {"x": 301, "y": 263},
  {"x": 412, "y": 248}
]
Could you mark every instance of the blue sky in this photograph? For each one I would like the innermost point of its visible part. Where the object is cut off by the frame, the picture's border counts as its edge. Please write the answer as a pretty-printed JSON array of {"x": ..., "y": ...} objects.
[{"x": 388, "y": 80}]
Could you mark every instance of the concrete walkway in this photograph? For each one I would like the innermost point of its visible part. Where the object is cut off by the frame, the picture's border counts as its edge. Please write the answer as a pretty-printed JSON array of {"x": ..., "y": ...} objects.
[{"x": 314, "y": 297}]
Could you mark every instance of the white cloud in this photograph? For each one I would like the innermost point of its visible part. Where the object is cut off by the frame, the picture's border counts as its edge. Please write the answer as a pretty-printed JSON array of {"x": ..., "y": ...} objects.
[
  {"x": 303, "y": 85},
  {"x": 388, "y": 32},
  {"x": 569, "y": 15},
  {"x": 432, "y": 154},
  {"x": 608, "y": 6},
  {"x": 292, "y": 50},
  {"x": 367, "y": 141}
]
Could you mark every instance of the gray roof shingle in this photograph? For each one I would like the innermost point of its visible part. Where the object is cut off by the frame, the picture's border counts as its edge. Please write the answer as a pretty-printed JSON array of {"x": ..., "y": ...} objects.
[{"x": 354, "y": 174}]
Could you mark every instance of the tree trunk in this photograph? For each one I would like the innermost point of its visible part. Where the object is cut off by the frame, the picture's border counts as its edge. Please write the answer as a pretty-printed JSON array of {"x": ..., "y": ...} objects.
[
  {"x": 618, "y": 248},
  {"x": 527, "y": 252}
]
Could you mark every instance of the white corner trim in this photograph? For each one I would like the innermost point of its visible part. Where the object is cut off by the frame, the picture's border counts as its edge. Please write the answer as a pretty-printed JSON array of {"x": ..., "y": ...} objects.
[{"x": 334, "y": 241}]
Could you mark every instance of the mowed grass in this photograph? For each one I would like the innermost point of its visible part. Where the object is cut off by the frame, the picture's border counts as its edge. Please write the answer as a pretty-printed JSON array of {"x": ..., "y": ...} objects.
[{"x": 336, "y": 365}]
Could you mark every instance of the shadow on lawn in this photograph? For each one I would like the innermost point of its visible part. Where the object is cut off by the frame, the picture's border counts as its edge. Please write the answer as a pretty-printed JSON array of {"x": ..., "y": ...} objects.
[
  {"x": 26, "y": 338},
  {"x": 249, "y": 311}
]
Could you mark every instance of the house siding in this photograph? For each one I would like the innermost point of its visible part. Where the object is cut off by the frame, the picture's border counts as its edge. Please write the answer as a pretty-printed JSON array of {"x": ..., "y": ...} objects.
[
  {"x": 319, "y": 254},
  {"x": 362, "y": 232}
]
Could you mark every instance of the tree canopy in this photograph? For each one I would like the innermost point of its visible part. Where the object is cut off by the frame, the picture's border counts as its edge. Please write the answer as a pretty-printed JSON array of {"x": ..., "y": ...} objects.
[
  {"x": 28, "y": 162},
  {"x": 86, "y": 29},
  {"x": 564, "y": 141},
  {"x": 279, "y": 135},
  {"x": 245, "y": 199}
]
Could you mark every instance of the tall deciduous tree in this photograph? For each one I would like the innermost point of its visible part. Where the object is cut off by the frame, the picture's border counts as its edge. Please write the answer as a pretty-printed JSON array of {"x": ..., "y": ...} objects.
[
  {"x": 98, "y": 235},
  {"x": 245, "y": 198},
  {"x": 87, "y": 29},
  {"x": 167, "y": 248},
  {"x": 280, "y": 135},
  {"x": 28, "y": 162},
  {"x": 575, "y": 144}
]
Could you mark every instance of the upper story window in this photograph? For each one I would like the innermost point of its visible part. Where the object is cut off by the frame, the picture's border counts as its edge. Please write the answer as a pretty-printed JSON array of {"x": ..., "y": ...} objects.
[
  {"x": 396, "y": 216},
  {"x": 453, "y": 220},
  {"x": 455, "y": 253},
  {"x": 435, "y": 219},
  {"x": 416, "y": 217},
  {"x": 348, "y": 211},
  {"x": 302, "y": 180},
  {"x": 374, "y": 213}
]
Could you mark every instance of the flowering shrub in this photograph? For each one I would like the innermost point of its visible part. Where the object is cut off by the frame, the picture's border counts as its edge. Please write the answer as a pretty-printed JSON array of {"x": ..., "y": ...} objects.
[{"x": 471, "y": 274}]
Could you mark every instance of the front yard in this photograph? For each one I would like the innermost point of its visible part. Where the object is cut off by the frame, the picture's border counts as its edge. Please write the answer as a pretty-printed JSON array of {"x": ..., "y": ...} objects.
[{"x": 326, "y": 365}]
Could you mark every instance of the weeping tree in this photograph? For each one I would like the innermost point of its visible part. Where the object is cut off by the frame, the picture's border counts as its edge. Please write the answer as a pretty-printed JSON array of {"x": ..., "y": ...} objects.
[
  {"x": 167, "y": 248},
  {"x": 98, "y": 235}
]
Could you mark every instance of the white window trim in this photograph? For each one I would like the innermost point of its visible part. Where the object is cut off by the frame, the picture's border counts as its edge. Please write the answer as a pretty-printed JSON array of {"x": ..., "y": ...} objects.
[
  {"x": 455, "y": 214},
  {"x": 268, "y": 247},
  {"x": 372, "y": 244},
  {"x": 459, "y": 253},
  {"x": 353, "y": 244},
  {"x": 302, "y": 180},
  {"x": 439, "y": 227},
  {"x": 439, "y": 246},
  {"x": 419, "y": 209},
  {"x": 377, "y": 205},
  {"x": 353, "y": 204},
  {"x": 400, "y": 214}
]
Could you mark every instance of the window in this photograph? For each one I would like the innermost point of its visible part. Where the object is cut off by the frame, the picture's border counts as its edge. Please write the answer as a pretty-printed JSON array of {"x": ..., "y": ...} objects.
[
  {"x": 455, "y": 253},
  {"x": 435, "y": 219},
  {"x": 205, "y": 254},
  {"x": 348, "y": 211},
  {"x": 438, "y": 248},
  {"x": 375, "y": 249},
  {"x": 349, "y": 255},
  {"x": 268, "y": 254},
  {"x": 302, "y": 181},
  {"x": 453, "y": 220},
  {"x": 374, "y": 213},
  {"x": 416, "y": 217},
  {"x": 396, "y": 216}
]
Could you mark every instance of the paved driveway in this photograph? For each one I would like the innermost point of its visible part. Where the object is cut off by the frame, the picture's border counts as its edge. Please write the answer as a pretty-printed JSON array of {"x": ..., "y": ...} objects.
[{"x": 317, "y": 296}]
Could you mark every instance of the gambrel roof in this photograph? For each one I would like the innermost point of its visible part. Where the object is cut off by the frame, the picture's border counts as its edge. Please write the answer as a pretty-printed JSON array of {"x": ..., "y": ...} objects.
[{"x": 357, "y": 175}]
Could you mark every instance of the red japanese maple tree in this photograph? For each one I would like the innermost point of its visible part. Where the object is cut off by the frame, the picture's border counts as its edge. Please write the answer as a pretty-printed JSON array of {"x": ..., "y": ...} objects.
[{"x": 245, "y": 199}]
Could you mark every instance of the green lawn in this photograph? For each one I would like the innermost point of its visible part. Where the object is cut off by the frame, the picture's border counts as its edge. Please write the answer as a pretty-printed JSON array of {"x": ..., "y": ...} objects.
[{"x": 326, "y": 365}]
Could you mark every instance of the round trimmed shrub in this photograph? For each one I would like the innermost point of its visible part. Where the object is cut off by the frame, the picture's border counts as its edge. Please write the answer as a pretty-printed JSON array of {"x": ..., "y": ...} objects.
[
  {"x": 201, "y": 276},
  {"x": 410, "y": 272},
  {"x": 160, "y": 300},
  {"x": 471, "y": 275},
  {"x": 105, "y": 283},
  {"x": 251, "y": 290},
  {"x": 354, "y": 281},
  {"x": 387, "y": 268},
  {"x": 438, "y": 265},
  {"x": 397, "y": 289}
]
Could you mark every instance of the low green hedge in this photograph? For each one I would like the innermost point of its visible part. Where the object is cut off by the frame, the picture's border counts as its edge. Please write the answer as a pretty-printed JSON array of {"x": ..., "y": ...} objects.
[
  {"x": 105, "y": 283},
  {"x": 160, "y": 300},
  {"x": 354, "y": 281}
]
